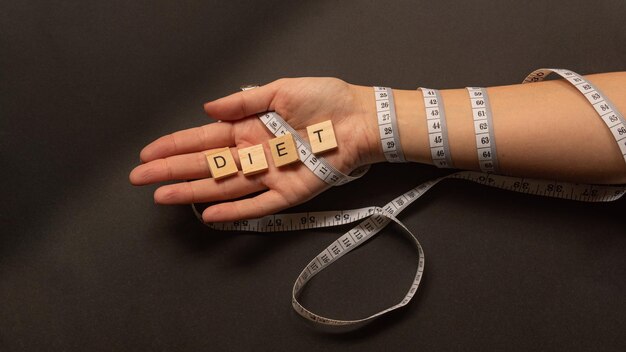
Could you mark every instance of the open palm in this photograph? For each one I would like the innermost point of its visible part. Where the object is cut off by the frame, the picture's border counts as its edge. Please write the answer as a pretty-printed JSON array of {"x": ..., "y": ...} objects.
[{"x": 301, "y": 102}]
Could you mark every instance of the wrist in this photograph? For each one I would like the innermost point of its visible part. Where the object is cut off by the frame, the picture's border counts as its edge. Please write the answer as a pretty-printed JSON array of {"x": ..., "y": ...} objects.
[{"x": 370, "y": 149}]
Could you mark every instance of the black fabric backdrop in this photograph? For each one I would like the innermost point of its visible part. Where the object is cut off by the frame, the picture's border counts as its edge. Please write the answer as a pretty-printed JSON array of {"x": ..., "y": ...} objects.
[{"x": 89, "y": 263}]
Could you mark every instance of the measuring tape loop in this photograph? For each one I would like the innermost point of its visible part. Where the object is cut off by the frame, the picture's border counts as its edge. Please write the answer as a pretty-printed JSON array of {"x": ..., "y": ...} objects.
[
  {"x": 388, "y": 125},
  {"x": 437, "y": 128},
  {"x": 343, "y": 245},
  {"x": 483, "y": 130},
  {"x": 374, "y": 219}
]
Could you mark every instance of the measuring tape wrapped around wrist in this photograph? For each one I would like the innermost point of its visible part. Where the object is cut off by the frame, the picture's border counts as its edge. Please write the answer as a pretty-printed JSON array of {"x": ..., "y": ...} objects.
[
  {"x": 374, "y": 219},
  {"x": 388, "y": 125}
]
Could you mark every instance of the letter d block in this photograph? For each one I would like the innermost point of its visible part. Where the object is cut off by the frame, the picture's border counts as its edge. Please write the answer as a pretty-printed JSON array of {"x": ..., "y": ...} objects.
[
  {"x": 221, "y": 163},
  {"x": 283, "y": 150},
  {"x": 322, "y": 137},
  {"x": 252, "y": 159}
]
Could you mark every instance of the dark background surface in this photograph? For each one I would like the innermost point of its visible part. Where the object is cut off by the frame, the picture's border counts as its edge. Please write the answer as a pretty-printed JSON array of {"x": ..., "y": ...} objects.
[{"x": 87, "y": 262}]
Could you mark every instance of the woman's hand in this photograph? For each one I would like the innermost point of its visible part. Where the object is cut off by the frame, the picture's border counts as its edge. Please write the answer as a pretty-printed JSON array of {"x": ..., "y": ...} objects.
[{"x": 301, "y": 102}]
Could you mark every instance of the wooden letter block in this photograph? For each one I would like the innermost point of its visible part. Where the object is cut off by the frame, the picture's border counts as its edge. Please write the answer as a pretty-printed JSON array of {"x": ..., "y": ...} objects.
[
  {"x": 221, "y": 163},
  {"x": 283, "y": 150},
  {"x": 252, "y": 159},
  {"x": 322, "y": 137}
]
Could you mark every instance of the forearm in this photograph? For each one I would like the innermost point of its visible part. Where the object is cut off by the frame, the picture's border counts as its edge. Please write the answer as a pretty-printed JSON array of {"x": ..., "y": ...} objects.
[{"x": 543, "y": 130}]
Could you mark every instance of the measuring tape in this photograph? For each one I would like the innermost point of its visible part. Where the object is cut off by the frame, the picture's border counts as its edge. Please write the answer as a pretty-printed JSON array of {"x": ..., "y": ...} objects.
[
  {"x": 437, "y": 130},
  {"x": 374, "y": 219},
  {"x": 483, "y": 130},
  {"x": 388, "y": 125}
]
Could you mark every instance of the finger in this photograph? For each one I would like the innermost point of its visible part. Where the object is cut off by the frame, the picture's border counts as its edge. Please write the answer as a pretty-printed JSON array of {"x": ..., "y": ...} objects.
[
  {"x": 264, "y": 204},
  {"x": 178, "y": 167},
  {"x": 195, "y": 139},
  {"x": 208, "y": 190},
  {"x": 244, "y": 103}
]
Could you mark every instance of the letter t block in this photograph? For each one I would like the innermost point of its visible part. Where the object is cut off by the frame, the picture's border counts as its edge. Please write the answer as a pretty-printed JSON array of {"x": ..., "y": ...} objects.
[{"x": 322, "y": 137}]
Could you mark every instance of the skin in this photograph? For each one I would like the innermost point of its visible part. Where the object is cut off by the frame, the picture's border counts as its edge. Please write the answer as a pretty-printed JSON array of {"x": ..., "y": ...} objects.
[{"x": 544, "y": 130}]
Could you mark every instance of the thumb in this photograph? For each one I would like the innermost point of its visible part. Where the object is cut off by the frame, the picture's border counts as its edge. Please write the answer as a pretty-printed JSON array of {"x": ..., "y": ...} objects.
[{"x": 244, "y": 103}]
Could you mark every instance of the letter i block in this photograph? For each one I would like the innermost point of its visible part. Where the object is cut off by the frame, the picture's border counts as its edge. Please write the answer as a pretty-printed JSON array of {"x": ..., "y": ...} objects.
[
  {"x": 322, "y": 137},
  {"x": 283, "y": 150},
  {"x": 221, "y": 163},
  {"x": 252, "y": 159}
]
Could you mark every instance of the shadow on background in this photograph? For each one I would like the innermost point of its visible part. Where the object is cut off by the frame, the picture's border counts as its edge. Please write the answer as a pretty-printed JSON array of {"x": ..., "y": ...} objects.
[{"x": 82, "y": 84}]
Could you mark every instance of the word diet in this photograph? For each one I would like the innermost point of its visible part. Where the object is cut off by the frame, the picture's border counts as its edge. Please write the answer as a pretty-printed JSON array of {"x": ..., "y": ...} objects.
[{"x": 283, "y": 149}]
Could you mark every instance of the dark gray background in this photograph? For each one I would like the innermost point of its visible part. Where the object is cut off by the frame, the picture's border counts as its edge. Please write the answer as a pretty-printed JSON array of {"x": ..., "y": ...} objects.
[{"x": 88, "y": 262}]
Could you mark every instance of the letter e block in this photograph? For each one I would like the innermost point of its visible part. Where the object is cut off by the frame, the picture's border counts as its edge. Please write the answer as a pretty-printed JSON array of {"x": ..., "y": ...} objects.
[
  {"x": 252, "y": 160},
  {"x": 322, "y": 137},
  {"x": 221, "y": 163},
  {"x": 283, "y": 150}
]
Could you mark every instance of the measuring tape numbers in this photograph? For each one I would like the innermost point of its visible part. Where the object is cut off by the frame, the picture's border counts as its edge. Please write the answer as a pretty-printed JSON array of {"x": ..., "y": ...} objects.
[
  {"x": 388, "y": 125},
  {"x": 437, "y": 129},
  {"x": 373, "y": 219},
  {"x": 483, "y": 130}
]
